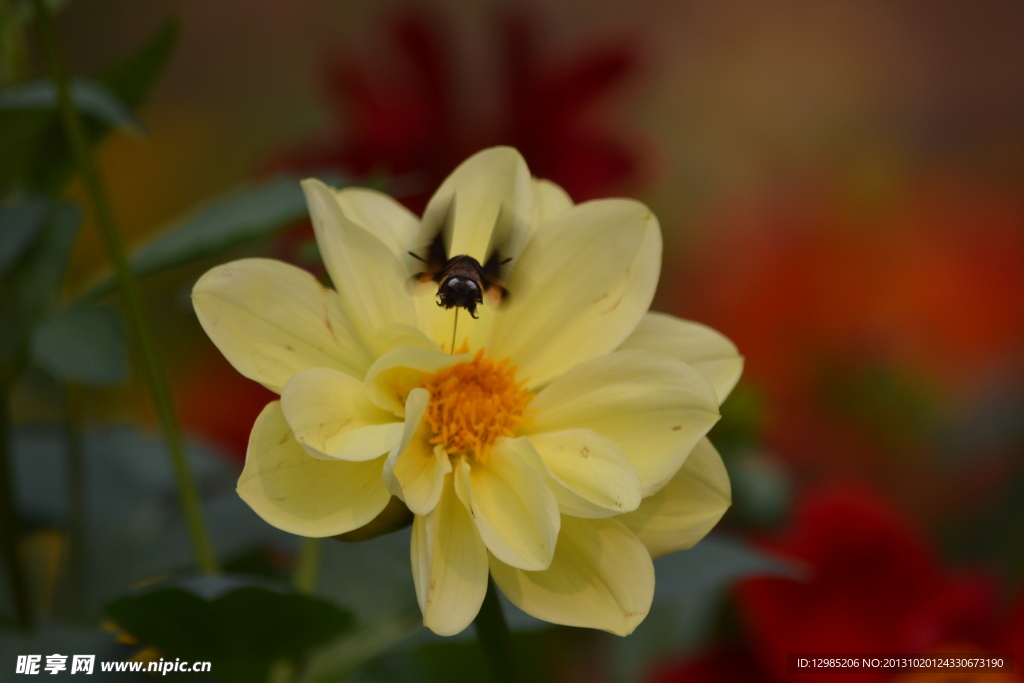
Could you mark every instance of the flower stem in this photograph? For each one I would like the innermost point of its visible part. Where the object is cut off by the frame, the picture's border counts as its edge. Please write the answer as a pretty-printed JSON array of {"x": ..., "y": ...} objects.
[
  {"x": 155, "y": 373},
  {"x": 304, "y": 578},
  {"x": 496, "y": 639},
  {"x": 74, "y": 568},
  {"x": 288, "y": 669},
  {"x": 10, "y": 531},
  {"x": 13, "y": 55}
]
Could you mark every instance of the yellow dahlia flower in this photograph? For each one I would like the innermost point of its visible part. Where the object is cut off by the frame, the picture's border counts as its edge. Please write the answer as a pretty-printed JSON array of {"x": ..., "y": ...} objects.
[{"x": 558, "y": 449}]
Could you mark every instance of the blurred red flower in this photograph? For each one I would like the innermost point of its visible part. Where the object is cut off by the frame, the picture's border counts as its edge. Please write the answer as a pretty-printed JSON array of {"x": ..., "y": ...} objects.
[
  {"x": 405, "y": 113},
  {"x": 875, "y": 586},
  {"x": 871, "y": 331}
]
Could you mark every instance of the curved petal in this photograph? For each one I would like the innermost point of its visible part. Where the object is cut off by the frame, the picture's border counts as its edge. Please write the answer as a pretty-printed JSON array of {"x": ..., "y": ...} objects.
[
  {"x": 331, "y": 417},
  {"x": 400, "y": 336},
  {"x": 549, "y": 201},
  {"x": 707, "y": 350},
  {"x": 449, "y": 566},
  {"x": 300, "y": 494},
  {"x": 272, "y": 320},
  {"x": 481, "y": 184},
  {"x": 689, "y": 506},
  {"x": 601, "y": 577},
  {"x": 655, "y": 408},
  {"x": 381, "y": 216},
  {"x": 399, "y": 371},
  {"x": 513, "y": 507},
  {"x": 415, "y": 471},
  {"x": 370, "y": 279},
  {"x": 489, "y": 182},
  {"x": 592, "y": 476},
  {"x": 579, "y": 288}
]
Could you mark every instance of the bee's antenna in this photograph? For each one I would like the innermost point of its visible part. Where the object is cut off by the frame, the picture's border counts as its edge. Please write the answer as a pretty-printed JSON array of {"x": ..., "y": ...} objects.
[{"x": 418, "y": 258}]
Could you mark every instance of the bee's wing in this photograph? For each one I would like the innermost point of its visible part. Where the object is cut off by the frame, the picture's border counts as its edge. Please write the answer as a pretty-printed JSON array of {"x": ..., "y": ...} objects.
[
  {"x": 507, "y": 241},
  {"x": 429, "y": 254},
  {"x": 431, "y": 248}
]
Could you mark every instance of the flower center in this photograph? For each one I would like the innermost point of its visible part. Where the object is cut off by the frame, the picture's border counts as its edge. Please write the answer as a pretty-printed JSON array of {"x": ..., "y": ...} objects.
[{"x": 472, "y": 404}]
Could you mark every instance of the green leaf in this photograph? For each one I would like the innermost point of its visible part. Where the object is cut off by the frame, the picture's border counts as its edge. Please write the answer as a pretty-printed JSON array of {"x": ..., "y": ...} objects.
[
  {"x": 20, "y": 224},
  {"x": 716, "y": 562},
  {"x": 91, "y": 99},
  {"x": 82, "y": 343},
  {"x": 241, "y": 629},
  {"x": 761, "y": 491},
  {"x": 135, "y": 529},
  {"x": 38, "y": 277},
  {"x": 34, "y": 154},
  {"x": 38, "y": 235},
  {"x": 132, "y": 78},
  {"x": 242, "y": 218},
  {"x": 128, "y": 475}
]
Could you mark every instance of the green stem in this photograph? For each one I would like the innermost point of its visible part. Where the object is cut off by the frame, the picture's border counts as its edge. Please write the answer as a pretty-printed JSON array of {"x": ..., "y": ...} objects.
[
  {"x": 155, "y": 373},
  {"x": 10, "y": 530},
  {"x": 287, "y": 670},
  {"x": 75, "y": 566},
  {"x": 304, "y": 578},
  {"x": 13, "y": 55},
  {"x": 496, "y": 639}
]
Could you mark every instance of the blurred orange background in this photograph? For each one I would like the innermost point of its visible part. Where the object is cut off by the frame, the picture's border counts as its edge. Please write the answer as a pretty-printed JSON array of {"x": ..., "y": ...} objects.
[{"x": 839, "y": 184}]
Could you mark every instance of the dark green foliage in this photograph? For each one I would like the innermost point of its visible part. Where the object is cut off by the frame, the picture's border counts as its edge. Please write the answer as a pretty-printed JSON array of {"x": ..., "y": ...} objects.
[{"x": 242, "y": 630}]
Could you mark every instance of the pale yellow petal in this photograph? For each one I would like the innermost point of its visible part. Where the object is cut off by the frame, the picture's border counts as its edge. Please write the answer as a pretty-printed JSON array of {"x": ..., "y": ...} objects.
[
  {"x": 601, "y": 577},
  {"x": 710, "y": 352},
  {"x": 371, "y": 280},
  {"x": 398, "y": 336},
  {"x": 399, "y": 371},
  {"x": 331, "y": 416},
  {"x": 449, "y": 563},
  {"x": 300, "y": 494},
  {"x": 655, "y": 408},
  {"x": 272, "y": 320},
  {"x": 416, "y": 470},
  {"x": 481, "y": 185},
  {"x": 689, "y": 506},
  {"x": 579, "y": 288},
  {"x": 515, "y": 511},
  {"x": 382, "y": 216},
  {"x": 592, "y": 477},
  {"x": 549, "y": 201}
]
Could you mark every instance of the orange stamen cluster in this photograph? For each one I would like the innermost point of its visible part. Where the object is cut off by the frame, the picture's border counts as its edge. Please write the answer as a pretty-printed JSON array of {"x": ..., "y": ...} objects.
[{"x": 473, "y": 404}]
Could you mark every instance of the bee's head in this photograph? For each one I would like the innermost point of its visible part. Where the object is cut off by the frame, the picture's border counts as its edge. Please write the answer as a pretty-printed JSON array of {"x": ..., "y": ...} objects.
[{"x": 460, "y": 291}]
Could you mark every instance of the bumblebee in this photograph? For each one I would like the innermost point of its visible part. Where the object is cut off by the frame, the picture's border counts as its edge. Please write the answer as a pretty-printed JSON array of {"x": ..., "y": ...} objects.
[{"x": 461, "y": 280}]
